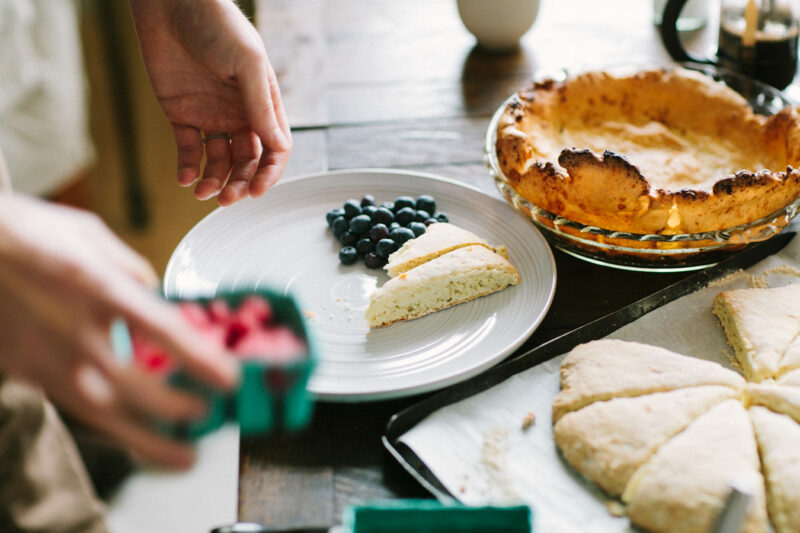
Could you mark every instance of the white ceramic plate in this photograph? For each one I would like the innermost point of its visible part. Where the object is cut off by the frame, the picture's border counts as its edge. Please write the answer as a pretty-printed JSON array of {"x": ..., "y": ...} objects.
[{"x": 282, "y": 241}]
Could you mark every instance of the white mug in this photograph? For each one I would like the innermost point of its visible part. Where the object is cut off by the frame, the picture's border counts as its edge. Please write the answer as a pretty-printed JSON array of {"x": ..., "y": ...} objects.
[{"x": 498, "y": 24}]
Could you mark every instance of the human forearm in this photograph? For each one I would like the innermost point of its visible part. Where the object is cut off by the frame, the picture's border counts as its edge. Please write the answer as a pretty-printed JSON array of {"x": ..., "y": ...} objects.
[{"x": 212, "y": 77}]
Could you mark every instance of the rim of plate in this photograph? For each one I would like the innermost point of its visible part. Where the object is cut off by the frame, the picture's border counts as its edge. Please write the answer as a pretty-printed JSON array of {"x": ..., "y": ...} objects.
[{"x": 168, "y": 286}]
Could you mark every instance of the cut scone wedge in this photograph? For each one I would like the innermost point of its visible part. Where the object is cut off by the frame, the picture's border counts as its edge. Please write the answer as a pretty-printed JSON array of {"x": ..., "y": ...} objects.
[
  {"x": 779, "y": 398},
  {"x": 453, "y": 278},
  {"x": 790, "y": 378},
  {"x": 760, "y": 324},
  {"x": 778, "y": 439},
  {"x": 604, "y": 369},
  {"x": 437, "y": 240},
  {"x": 608, "y": 441},
  {"x": 791, "y": 357},
  {"x": 684, "y": 486}
]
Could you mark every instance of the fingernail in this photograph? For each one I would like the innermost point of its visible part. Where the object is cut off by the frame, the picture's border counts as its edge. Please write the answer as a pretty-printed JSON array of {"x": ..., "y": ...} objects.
[
  {"x": 205, "y": 193},
  {"x": 186, "y": 177}
]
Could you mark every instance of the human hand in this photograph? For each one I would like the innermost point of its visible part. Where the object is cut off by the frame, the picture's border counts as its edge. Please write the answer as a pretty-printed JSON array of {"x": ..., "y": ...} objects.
[
  {"x": 64, "y": 277},
  {"x": 210, "y": 72}
]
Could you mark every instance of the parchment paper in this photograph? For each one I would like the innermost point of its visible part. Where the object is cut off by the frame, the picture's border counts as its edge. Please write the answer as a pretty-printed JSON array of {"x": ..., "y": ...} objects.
[{"x": 481, "y": 452}]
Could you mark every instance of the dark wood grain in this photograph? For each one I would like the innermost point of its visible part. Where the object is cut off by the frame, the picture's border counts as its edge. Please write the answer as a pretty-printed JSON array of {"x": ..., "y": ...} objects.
[{"x": 383, "y": 83}]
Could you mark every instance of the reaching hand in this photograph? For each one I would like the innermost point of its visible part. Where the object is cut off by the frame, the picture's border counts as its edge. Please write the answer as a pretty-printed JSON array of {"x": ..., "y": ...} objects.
[
  {"x": 210, "y": 72},
  {"x": 63, "y": 278}
]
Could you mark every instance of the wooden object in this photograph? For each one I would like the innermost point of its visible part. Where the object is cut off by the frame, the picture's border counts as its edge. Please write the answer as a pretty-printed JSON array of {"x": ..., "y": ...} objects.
[{"x": 369, "y": 83}]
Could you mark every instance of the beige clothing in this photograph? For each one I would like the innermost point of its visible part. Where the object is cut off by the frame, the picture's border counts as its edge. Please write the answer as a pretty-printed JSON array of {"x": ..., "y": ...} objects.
[{"x": 43, "y": 483}]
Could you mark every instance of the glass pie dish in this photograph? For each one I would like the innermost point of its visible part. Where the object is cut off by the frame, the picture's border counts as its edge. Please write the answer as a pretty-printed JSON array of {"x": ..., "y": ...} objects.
[{"x": 649, "y": 252}]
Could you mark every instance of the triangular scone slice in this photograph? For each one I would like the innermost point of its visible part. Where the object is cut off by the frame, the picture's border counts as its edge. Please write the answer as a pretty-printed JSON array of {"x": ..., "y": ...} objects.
[
  {"x": 760, "y": 324},
  {"x": 790, "y": 378},
  {"x": 455, "y": 277},
  {"x": 779, "y": 398},
  {"x": 684, "y": 486},
  {"x": 604, "y": 369},
  {"x": 791, "y": 357},
  {"x": 608, "y": 441},
  {"x": 778, "y": 439},
  {"x": 438, "y": 239}
]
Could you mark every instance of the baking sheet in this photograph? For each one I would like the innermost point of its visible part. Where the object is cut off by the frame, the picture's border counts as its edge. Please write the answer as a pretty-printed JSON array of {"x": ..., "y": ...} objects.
[{"x": 479, "y": 450}]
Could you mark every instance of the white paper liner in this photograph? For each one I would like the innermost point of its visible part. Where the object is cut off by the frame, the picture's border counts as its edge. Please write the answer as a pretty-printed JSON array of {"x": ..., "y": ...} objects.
[{"x": 480, "y": 452}]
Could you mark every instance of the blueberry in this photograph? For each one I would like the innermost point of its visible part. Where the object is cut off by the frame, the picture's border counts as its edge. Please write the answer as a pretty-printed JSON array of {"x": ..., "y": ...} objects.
[
  {"x": 333, "y": 214},
  {"x": 348, "y": 255},
  {"x": 426, "y": 203},
  {"x": 418, "y": 228},
  {"x": 430, "y": 221},
  {"x": 368, "y": 210},
  {"x": 367, "y": 200},
  {"x": 360, "y": 224},
  {"x": 340, "y": 225},
  {"x": 373, "y": 260},
  {"x": 385, "y": 247},
  {"x": 394, "y": 225},
  {"x": 383, "y": 215},
  {"x": 401, "y": 235},
  {"x": 405, "y": 215},
  {"x": 441, "y": 217},
  {"x": 348, "y": 238},
  {"x": 421, "y": 216},
  {"x": 378, "y": 232},
  {"x": 388, "y": 205},
  {"x": 403, "y": 201},
  {"x": 364, "y": 246},
  {"x": 352, "y": 208}
]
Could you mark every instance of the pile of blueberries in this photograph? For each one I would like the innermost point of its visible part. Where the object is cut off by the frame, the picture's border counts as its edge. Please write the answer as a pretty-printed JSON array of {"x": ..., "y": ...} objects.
[{"x": 373, "y": 231}]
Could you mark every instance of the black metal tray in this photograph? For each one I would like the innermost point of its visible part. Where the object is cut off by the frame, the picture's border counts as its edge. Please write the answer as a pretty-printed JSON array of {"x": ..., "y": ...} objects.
[{"x": 406, "y": 419}]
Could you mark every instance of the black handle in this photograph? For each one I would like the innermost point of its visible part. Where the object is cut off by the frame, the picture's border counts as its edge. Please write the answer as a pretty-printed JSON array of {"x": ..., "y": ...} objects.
[{"x": 669, "y": 34}]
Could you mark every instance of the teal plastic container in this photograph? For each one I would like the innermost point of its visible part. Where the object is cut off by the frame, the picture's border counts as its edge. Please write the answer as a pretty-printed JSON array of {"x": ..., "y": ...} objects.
[
  {"x": 431, "y": 516},
  {"x": 270, "y": 398}
]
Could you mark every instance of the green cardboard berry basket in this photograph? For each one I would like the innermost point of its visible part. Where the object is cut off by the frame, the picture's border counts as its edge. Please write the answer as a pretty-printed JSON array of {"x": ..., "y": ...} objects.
[{"x": 270, "y": 398}]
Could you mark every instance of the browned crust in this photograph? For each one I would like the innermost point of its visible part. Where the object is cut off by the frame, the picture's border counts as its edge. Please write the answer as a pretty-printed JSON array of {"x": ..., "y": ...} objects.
[{"x": 607, "y": 191}]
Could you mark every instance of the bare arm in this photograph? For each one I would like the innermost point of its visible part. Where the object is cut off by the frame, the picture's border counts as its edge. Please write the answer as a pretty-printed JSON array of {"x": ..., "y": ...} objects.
[{"x": 211, "y": 75}]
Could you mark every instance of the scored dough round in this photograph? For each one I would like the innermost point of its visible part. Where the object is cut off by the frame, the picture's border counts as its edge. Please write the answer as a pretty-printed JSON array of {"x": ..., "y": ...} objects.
[{"x": 672, "y": 434}]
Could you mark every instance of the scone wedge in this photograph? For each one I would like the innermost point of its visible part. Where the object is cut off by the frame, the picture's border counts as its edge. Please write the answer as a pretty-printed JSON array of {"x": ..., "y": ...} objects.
[
  {"x": 778, "y": 439},
  {"x": 455, "y": 277},
  {"x": 684, "y": 486},
  {"x": 791, "y": 379},
  {"x": 779, "y": 398},
  {"x": 438, "y": 239},
  {"x": 760, "y": 325},
  {"x": 604, "y": 369},
  {"x": 608, "y": 441}
]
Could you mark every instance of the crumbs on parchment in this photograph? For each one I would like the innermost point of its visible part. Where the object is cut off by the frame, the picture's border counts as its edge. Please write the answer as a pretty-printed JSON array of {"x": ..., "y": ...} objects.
[
  {"x": 615, "y": 508},
  {"x": 528, "y": 421}
]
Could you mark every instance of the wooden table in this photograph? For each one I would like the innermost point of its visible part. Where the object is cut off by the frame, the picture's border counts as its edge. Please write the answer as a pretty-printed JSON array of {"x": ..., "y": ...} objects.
[{"x": 398, "y": 83}]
